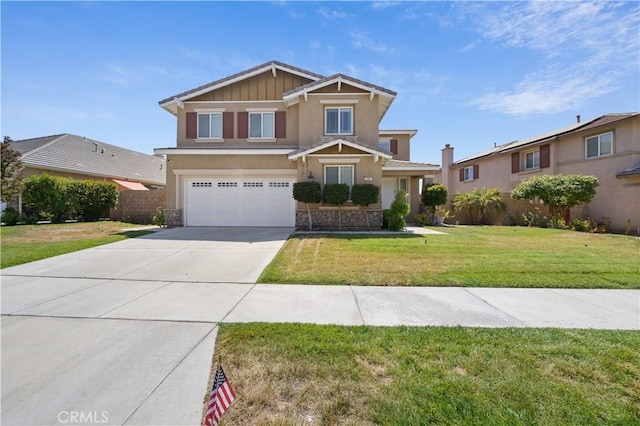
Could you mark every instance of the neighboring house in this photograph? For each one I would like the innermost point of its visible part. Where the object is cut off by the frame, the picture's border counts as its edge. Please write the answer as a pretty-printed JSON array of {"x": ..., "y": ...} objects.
[
  {"x": 77, "y": 157},
  {"x": 244, "y": 140},
  {"x": 607, "y": 147}
]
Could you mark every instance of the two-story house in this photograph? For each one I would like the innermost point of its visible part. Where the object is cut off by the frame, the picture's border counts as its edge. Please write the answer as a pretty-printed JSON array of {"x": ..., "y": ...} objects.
[
  {"x": 607, "y": 147},
  {"x": 244, "y": 140}
]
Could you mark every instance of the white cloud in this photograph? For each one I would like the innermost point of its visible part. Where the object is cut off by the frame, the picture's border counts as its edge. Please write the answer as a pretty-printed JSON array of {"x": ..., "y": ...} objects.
[
  {"x": 384, "y": 4},
  {"x": 332, "y": 14},
  {"x": 586, "y": 50},
  {"x": 362, "y": 40}
]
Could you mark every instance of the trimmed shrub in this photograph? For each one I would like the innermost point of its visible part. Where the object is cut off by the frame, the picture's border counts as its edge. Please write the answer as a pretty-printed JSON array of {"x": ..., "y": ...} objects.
[
  {"x": 335, "y": 193},
  {"x": 48, "y": 194},
  {"x": 10, "y": 216},
  {"x": 365, "y": 194},
  {"x": 398, "y": 210},
  {"x": 307, "y": 193}
]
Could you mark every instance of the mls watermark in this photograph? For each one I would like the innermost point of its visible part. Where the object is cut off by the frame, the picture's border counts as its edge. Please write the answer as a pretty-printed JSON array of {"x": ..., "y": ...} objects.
[{"x": 83, "y": 417}]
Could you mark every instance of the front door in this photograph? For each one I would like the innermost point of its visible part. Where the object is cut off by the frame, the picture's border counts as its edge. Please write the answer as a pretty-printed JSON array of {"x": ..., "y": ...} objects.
[{"x": 389, "y": 187}]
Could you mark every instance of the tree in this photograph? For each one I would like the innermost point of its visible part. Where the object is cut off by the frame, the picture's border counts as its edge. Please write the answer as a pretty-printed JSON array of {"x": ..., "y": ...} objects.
[
  {"x": 559, "y": 192},
  {"x": 336, "y": 194},
  {"x": 479, "y": 203},
  {"x": 365, "y": 194},
  {"x": 434, "y": 195},
  {"x": 398, "y": 210},
  {"x": 11, "y": 171},
  {"x": 308, "y": 193}
]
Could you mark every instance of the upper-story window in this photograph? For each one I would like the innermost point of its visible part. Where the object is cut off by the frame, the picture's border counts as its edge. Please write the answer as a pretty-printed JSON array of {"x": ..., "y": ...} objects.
[
  {"x": 261, "y": 125},
  {"x": 210, "y": 125},
  {"x": 600, "y": 145},
  {"x": 468, "y": 173},
  {"x": 385, "y": 145},
  {"x": 338, "y": 121},
  {"x": 532, "y": 160}
]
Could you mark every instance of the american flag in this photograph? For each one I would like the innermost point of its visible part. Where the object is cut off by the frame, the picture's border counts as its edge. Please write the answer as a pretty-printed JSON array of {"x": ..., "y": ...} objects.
[{"x": 222, "y": 395}]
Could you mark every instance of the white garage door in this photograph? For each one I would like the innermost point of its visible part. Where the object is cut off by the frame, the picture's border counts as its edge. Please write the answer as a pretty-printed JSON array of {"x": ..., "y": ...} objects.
[{"x": 239, "y": 202}]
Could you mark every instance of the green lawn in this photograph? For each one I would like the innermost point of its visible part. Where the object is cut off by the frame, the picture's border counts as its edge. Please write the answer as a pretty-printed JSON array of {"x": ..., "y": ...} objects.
[
  {"x": 488, "y": 256},
  {"x": 27, "y": 243},
  {"x": 290, "y": 374}
]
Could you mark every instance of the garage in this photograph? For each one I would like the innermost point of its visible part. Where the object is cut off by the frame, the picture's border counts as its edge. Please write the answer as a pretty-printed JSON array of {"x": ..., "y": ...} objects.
[{"x": 233, "y": 201}]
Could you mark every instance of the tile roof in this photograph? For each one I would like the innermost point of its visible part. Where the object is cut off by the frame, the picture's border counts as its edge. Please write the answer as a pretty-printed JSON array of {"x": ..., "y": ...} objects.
[
  {"x": 241, "y": 74},
  {"x": 329, "y": 143},
  {"x": 548, "y": 136},
  {"x": 75, "y": 154}
]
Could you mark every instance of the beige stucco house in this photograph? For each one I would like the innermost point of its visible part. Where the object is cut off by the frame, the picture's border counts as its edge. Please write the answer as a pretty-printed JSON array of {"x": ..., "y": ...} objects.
[
  {"x": 244, "y": 140},
  {"x": 607, "y": 147}
]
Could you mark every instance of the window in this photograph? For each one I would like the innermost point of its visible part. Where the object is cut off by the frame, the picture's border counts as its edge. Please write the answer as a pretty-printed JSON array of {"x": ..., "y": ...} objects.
[
  {"x": 532, "y": 160},
  {"x": 210, "y": 125},
  {"x": 339, "y": 174},
  {"x": 339, "y": 121},
  {"x": 468, "y": 173},
  {"x": 403, "y": 184},
  {"x": 385, "y": 145},
  {"x": 261, "y": 125},
  {"x": 598, "y": 146}
]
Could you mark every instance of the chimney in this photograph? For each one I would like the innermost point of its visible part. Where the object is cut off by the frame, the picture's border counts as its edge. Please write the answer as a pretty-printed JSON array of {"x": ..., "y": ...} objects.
[
  {"x": 447, "y": 160},
  {"x": 578, "y": 118}
]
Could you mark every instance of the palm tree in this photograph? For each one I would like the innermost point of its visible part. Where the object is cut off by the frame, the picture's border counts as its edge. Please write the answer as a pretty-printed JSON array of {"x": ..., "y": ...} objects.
[{"x": 479, "y": 203}]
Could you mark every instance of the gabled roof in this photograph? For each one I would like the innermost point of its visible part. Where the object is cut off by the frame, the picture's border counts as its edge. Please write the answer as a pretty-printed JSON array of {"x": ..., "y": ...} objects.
[
  {"x": 74, "y": 154},
  {"x": 323, "y": 145},
  {"x": 549, "y": 136},
  {"x": 267, "y": 66},
  {"x": 386, "y": 96}
]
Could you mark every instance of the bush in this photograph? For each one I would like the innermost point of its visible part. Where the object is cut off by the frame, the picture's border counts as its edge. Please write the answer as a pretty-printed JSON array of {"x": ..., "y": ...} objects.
[
  {"x": 10, "y": 216},
  {"x": 422, "y": 219},
  {"x": 335, "y": 193},
  {"x": 398, "y": 210},
  {"x": 580, "y": 225},
  {"x": 365, "y": 194},
  {"x": 48, "y": 194},
  {"x": 307, "y": 192},
  {"x": 61, "y": 198},
  {"x": 158, "y": 218}
]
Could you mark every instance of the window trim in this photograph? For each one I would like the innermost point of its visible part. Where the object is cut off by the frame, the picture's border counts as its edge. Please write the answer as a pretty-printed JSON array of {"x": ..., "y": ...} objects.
[
  {"x": 525, "y": 168},
  {"x": 273, "y": 125},
  {"x": 598, "y": 136},
  {"x": 465, "y": 174},
  {"x": 339, "y": 108},
  {"x": 209, "y": 138},
  {"x": 353, "y": 173}
]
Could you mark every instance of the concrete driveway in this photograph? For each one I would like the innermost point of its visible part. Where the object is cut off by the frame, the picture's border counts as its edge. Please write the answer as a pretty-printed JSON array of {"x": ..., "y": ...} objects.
[{"x": 124, "y": 333}]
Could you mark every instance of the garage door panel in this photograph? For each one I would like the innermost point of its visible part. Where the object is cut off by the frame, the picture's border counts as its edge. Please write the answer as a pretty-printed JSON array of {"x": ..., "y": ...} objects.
[{"x": 239, "y": 202}]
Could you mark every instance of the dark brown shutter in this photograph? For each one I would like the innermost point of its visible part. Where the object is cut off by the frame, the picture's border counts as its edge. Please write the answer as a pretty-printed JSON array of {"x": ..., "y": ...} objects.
[
  {"x": 281, "y": 124},
  {"x": 545, "y": 160},
  {"x": 394, "y": 146},
  {"x": 515, "y": 162},
  {"x": 227, "y": 125},
  {"x": 243, "y": 125},
  {"x": 192, "y": 125},
  {"x": 476, "y": 171},
  {"x": 462, "y": 174}
]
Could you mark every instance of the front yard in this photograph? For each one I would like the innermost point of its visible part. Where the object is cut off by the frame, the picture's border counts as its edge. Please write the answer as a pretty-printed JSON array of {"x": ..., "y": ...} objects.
[
  {"x": 27, "y": 243},
  {"x": 290, "y": 374},
  {"x": 466, "y": 256}
]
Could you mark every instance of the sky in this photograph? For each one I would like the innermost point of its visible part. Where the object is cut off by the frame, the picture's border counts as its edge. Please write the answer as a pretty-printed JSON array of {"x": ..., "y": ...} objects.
[{"x": 468, "y": 74}]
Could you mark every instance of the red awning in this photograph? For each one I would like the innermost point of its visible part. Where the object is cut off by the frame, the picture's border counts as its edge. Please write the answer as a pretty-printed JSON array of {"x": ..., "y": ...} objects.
[{"x": 124, "y": 185}]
